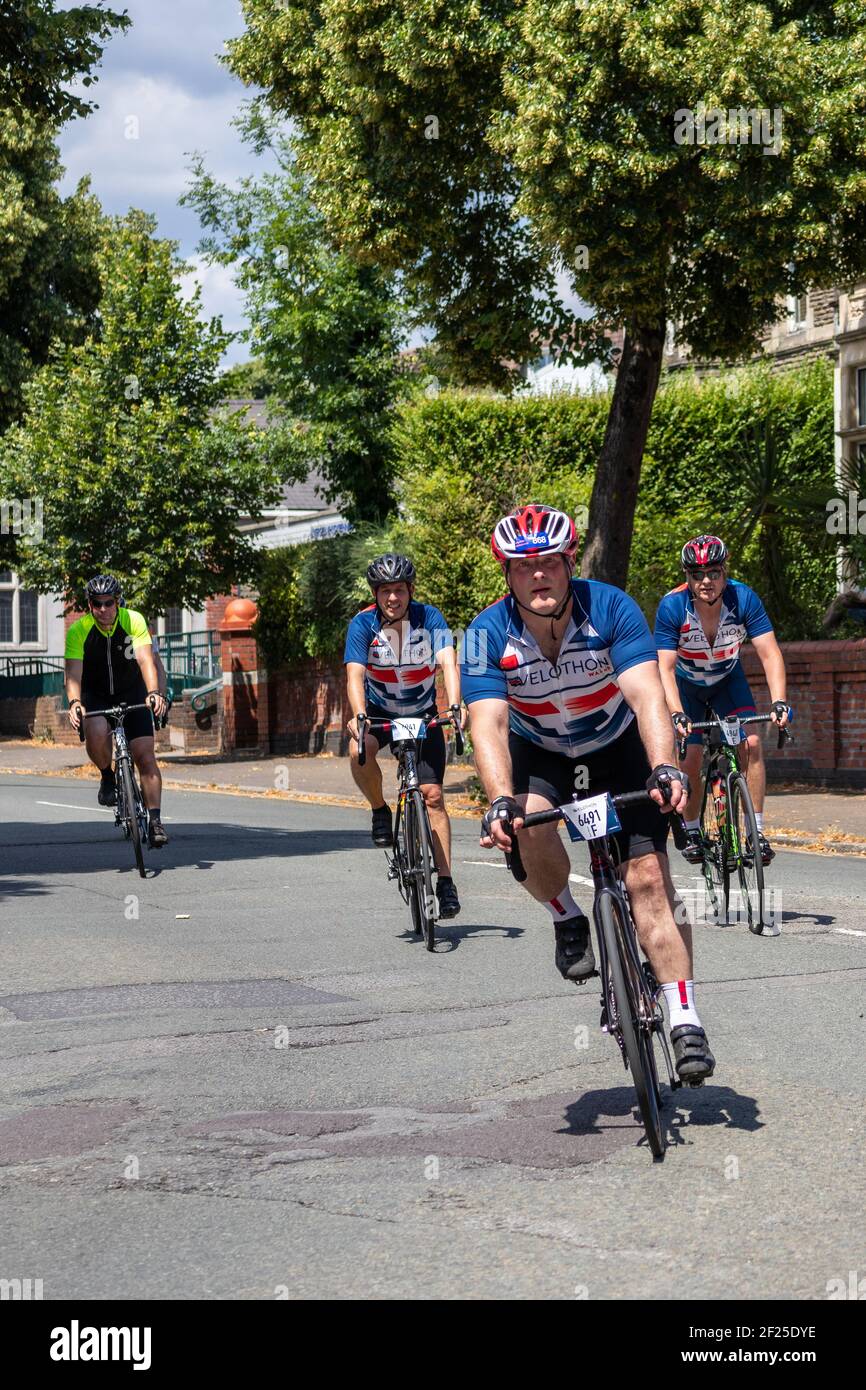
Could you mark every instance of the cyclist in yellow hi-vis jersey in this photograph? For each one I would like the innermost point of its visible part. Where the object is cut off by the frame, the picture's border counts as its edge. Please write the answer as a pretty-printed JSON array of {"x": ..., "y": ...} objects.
[{"x": 109, "y": 660}]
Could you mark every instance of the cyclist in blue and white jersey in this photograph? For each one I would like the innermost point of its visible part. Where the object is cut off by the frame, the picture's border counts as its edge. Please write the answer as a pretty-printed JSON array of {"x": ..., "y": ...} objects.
[
  {"x": 562, "y": 682},
  {"x": 699, "y": 630},
  {"x": 392, "y": 651}
]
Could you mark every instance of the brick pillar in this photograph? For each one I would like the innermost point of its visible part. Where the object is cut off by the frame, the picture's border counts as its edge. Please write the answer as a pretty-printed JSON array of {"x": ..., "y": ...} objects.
[{"x": 246, "y": 725}]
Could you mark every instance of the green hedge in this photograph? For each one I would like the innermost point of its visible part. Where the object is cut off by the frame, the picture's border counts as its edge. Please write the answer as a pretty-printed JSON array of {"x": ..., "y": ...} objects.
[{"x": 721, "y": 451}]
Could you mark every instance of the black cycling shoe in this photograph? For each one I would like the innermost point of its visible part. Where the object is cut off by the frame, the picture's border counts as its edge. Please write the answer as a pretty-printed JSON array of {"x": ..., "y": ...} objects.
[
  {"x": 449, "y": 903},
  {"x": 693, "y": 849},
  {"x": 692, "y": 1056},
  {"x": 767, "y": 851},
  {"x": 107, "y": 794},
  {"x": 574, "y": 956},
  {"x": 383, "y": 827},
  {"x": 156, "y": 836}
]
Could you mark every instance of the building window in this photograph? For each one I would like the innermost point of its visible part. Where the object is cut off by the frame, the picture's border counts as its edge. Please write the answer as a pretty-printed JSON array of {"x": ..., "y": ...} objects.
[
  {"x": 798, "y": 308},
  {"x": 19, "y": 612},
  {"x": 861, "y": 396},
  {"x": 173, "y": 620}
]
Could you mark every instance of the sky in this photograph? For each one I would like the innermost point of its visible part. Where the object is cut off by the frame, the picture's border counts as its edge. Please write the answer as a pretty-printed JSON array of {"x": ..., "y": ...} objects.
[
  {"x": 163, "y": 84},
  {"x": 163, "y": 80}
]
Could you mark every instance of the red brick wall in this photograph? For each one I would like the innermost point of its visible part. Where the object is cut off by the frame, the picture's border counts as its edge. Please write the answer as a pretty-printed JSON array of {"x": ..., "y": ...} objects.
[
  {"x": 309, "y": 708},
  {"x": 827, "y": 689}
]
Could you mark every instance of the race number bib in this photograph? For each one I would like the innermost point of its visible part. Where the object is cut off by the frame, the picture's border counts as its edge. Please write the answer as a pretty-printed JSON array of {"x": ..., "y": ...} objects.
[
  {"x": 406, "y": 728},
  {"x": 591, "y": 818},
  {"x": 731, "y": 731}
]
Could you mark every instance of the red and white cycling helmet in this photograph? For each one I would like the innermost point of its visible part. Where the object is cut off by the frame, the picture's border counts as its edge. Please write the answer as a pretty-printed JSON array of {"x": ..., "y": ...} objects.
[
  {"x": 534, "y": 530},
  {"x": 702, "y": 552}
]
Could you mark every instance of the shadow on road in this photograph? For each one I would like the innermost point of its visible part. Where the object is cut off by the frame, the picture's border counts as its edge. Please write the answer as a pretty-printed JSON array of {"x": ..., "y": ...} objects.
[
  {"x": 704, "y": 1105},
  {"x": 72, "y": 848},
  {"x": 450, "y": 937}
]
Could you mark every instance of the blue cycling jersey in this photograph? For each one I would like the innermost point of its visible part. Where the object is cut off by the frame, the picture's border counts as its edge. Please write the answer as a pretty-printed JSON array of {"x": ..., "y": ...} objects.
[
  {"x": 576, "y": 705},
  {"x": 400, "y": 658},
  {"x": 678, "y": 628}
]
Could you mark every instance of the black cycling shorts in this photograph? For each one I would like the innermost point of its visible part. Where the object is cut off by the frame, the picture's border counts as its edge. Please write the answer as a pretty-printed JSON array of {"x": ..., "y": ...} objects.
[
  {"x": 137, "y": 724},
  {"x": 622, "y": 766},
  {"x": 431, "y": 760}
]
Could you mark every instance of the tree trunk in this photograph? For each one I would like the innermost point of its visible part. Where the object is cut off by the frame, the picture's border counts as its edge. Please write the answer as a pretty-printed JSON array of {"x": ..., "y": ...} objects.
[{"x": 617, "y": 477}]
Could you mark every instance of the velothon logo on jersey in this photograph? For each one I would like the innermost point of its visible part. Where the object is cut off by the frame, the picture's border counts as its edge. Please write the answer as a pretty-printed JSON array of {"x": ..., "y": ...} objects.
[{"x": 599, "y": 665}]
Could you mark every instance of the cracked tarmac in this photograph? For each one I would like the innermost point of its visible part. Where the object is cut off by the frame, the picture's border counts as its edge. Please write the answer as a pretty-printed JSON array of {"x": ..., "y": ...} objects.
[{"x": 287, "y": 1090}]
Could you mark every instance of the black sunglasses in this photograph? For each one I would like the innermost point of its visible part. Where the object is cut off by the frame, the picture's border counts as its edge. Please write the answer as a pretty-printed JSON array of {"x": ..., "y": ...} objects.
[{"x": 103, "y": 602}]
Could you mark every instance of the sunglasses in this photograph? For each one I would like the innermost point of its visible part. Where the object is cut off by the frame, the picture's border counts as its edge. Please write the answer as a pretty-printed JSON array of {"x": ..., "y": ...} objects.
[
  {"x": 705, "y": 574},
  {"x": 103, "y": 602}
]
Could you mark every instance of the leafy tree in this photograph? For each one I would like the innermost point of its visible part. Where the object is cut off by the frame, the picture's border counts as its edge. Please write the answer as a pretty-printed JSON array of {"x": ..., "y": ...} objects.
[
  {"x": 49, "y": 286},
  {"x": 565, "y": 128},
  {"x": 120, "y": 443},
  {"x": 42, "y": 50},
  {"x": 326, "y": 330},
  {"x": 246, "y": 381}
]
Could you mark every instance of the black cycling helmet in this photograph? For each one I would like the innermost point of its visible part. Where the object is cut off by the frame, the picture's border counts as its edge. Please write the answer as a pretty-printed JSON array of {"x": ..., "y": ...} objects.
[
  {"x": 702, "y": 552},
  {"x": 390, "y": 569},
  {"x": 105, "y": 585}
]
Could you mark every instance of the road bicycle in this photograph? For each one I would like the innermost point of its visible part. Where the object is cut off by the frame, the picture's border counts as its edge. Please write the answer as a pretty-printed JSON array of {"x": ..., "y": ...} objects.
[
  {"x": 411, "y": 859},
  {"x": 729, "y": 828},
  {"x": 631, "y": 995},
  {"x": 130, "y": 812}
]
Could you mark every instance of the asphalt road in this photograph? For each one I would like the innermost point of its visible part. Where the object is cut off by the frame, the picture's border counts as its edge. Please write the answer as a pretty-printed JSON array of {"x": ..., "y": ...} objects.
[{"x": 243, "y": 1077}]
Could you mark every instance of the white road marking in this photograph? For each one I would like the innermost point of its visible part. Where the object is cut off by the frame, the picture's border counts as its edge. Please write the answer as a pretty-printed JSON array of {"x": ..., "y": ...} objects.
[
  {"x": 492, "y": 864},
  {"x": 70, "y": 806},
  {"x": 848, "y": 931}
]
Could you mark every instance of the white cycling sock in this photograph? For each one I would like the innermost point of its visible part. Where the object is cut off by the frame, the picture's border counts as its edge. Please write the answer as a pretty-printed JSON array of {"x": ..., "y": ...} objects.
[
  {"x": 759, "y": 817},
  {"x": 691, "y": 824},
  {"x": 680, "y": 998},
  {"x": 563, "y": 906}
]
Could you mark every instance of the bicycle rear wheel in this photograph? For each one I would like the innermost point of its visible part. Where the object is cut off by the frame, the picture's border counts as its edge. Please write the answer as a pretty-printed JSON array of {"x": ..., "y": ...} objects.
[
  {"x": 131, "y": 808},
  {"x": 749, "y": 866},
  {"x": 628, "y": 990},
  {"x": 419, "y": 848}
]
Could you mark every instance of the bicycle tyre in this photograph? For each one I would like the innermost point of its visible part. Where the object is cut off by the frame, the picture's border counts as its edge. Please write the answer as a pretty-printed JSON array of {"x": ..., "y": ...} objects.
[
  {"x": 132, "y": 814},
  {"x": 711, "y": 833},
  {"x": 638, "y": 1046},
  {"x": 420, "y": 847},
  {"x": 741, "y": 801},
  {"x": 406, "y": 865}
]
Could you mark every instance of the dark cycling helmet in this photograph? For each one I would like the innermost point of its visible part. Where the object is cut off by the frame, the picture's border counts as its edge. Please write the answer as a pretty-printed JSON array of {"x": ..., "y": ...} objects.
[
  {"x": 702, "y": 552},
  {"x": 105, "y": 585},
  {"x": 390, "y": 569}
]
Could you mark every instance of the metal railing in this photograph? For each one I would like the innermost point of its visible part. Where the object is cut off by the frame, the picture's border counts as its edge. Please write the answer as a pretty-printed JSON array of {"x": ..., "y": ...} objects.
[
  {"x": 29, "y": 677},
  {"x": 190, "y": 658}
]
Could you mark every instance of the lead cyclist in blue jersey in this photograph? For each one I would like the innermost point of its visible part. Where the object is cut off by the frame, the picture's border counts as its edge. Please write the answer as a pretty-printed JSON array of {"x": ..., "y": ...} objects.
[
  {"x": 562, "y": 682},
  {"x": 700, "y": 628}
]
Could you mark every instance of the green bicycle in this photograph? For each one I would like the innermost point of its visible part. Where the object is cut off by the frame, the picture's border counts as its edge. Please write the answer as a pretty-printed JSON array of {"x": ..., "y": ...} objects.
[{"x": 729, "y": 829}]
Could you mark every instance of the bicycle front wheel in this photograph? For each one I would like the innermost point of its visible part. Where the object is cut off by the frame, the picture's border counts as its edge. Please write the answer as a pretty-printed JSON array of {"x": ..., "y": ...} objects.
[
  {"x": 744, "y": 830},
  {"x": 419, "y": 852},
  {"x": 131, "y": 808},
  {"x": 637, "y": 1041},
  {"x": 713, "y": 832}
]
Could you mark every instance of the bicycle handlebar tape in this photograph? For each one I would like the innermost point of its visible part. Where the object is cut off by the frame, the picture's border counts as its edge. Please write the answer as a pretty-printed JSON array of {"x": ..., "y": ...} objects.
[
  {"x": 458, "y": 732},
  {"x": 360, "y": 721}
]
